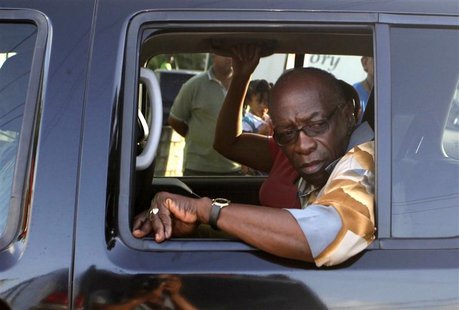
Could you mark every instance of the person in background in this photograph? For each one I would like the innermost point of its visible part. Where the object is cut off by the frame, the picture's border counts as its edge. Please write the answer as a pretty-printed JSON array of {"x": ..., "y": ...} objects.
[
  {"x": 194, "y": 115},
  {"x": 169, "y": 63},
  {"x": 364, "y": 87},
  {"x": 256, "y": 118},
  {"x": 315, "y": 127}
]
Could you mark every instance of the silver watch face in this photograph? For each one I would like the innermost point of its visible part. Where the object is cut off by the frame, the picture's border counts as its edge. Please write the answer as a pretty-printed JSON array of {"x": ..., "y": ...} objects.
[{"x": 221, "y": 202}]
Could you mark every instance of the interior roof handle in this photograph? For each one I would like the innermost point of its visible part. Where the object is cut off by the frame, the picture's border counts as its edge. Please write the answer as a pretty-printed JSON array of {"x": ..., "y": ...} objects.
[{"x": 148, "y": 78}]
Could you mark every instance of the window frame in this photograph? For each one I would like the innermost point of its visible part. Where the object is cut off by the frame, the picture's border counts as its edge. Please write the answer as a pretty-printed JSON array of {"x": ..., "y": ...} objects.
[
  {"x": 383, "y": 130},
  {"x": 186, "y": 20},
  {"x": 23, "y": 175},
  {"x": 381, "y": 45}
]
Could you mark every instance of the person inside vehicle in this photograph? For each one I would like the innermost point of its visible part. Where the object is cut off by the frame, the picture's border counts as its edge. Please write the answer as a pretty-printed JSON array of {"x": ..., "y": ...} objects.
[
  {"x": 193, "y": 115},
  {"x": 256, "y": 118},
  {"x": 314, "y": 125},
  {"x": 259, "y": 152},
  {"x": 365, "y": 86}
]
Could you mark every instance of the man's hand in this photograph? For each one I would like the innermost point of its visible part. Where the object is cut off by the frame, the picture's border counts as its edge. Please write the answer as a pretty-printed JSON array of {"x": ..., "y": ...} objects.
[
  {"x": 169, "y": 214},
  {"x": 245, "y": 58}
]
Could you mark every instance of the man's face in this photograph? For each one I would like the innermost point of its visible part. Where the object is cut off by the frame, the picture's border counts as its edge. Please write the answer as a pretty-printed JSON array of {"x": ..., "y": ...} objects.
[
  {"x": 299, "y": 103},
  {"x": 368, "y": 66},
  {"x": 222, "y": 65}
]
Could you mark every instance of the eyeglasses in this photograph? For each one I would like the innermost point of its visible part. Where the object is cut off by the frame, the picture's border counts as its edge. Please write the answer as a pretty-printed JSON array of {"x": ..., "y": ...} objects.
[{"x": 314, "y": 129}]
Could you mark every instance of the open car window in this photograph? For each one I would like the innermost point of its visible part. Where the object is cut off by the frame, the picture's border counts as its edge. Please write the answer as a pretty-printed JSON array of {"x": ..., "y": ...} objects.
[
  {"x": 173, "y": 70},
  {"x": 336, "y": 49}
]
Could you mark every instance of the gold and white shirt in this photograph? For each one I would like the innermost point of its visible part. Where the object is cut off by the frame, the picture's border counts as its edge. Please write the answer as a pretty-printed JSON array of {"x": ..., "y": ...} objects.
[{"x": 338, "y": 219}]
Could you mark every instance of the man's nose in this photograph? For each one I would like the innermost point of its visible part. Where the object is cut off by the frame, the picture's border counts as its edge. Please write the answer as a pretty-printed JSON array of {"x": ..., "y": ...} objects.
[{"x": 305, "y": 144}]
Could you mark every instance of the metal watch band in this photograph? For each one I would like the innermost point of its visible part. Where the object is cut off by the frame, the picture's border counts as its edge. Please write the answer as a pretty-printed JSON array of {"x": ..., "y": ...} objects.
[{"x": 217, "y": 205}]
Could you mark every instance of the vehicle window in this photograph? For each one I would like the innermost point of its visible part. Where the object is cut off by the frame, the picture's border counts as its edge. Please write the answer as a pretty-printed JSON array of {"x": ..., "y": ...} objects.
[
  {"x": 16, "y": 48},
  {"x": 158, "y": 59},
  {"x": 173, "y": 70},
  {"x": 425, "y": 169}
]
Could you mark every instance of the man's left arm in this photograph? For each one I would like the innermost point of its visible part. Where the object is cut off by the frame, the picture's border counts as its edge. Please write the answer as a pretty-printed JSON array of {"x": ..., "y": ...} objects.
[{"x": 269, "y": 229}]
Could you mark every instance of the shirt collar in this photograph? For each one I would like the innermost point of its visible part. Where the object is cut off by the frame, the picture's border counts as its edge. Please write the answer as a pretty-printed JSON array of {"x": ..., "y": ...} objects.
[{"x": 211, "y": 74}]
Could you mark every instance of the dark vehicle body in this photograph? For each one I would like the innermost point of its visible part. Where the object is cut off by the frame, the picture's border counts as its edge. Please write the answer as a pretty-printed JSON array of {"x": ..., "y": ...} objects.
[{"x": 67, "y": 243}]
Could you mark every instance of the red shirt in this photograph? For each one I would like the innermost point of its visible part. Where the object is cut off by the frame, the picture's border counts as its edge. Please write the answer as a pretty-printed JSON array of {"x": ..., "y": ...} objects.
[{"x": 279, "y": 190}]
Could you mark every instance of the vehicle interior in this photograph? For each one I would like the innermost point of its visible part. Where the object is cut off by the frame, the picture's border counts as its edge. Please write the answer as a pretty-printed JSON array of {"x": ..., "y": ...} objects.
[{"x": 295, "y": 43}]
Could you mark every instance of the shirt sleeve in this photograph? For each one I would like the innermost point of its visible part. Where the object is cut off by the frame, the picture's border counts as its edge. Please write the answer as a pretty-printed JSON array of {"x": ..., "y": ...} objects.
[
  {"x": 246, "y": 127},
  {"x": 182, "y": 106},
  {"x": 340, "y": 222}
]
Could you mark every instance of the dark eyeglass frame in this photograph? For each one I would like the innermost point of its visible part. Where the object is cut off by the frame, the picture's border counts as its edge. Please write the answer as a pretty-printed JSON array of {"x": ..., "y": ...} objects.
[{"x": 312, "y": 130}]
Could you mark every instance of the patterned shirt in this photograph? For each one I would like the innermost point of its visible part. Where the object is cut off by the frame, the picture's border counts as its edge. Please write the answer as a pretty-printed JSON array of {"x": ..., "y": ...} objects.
[{"x": 338, "y": 219}]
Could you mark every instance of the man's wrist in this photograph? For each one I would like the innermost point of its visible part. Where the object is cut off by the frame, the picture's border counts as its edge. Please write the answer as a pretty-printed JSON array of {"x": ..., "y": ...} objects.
[
  {"x": 217, "y": 205},
  {"x": 203, "y": 210}
]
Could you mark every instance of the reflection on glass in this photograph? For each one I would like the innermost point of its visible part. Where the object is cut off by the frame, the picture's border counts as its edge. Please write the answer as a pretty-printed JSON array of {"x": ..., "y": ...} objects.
[
  {"x": 425, "y": 165},
  {"x": 451, "y": 133},
  {"x": 16, "y": 48},
  {"x": 166, "y": 294}
]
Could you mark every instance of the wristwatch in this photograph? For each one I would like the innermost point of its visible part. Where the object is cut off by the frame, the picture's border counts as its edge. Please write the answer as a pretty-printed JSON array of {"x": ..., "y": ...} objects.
[{"x": 217, "y": 205}]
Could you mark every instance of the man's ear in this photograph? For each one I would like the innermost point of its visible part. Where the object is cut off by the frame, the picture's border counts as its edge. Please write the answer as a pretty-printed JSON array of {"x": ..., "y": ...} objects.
[
  {"x": 350, "y": 114},
  {"x": 352, "y": 97}
]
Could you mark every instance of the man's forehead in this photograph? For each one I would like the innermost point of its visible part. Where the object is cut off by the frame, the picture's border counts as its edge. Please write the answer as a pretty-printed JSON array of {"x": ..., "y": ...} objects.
[
  {"x": 307, "y": 76},
  {"x": 309, "y": 93}
]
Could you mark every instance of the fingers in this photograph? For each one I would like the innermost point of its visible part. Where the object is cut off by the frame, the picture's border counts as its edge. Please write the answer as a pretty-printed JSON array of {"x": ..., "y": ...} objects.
[
  {"x": 162, "y": 220},
  {"x": 162, "y": 223},
  {"x": 166, "y": 211},
  {"x": 183, "y": 211},
  {"x": 156, "y": 220},
  {"x": 246, "y": 52},
  {"x": 142, "y": 226}
]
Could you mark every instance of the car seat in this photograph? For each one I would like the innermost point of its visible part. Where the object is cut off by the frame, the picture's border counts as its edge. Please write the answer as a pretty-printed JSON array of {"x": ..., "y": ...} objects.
[{"x": 369, "y": 113}]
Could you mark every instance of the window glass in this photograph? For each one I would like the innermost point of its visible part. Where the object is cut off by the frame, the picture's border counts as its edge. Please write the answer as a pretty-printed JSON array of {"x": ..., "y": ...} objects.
[
  {"x": 16, "y": 48},
  {"x": 425, "y": 170}
]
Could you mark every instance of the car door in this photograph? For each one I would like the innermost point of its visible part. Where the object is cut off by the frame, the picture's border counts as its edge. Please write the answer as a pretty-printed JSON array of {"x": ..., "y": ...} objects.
[
  {"x": 112, "y": 268},
  {"x": 43, "y": 65}
]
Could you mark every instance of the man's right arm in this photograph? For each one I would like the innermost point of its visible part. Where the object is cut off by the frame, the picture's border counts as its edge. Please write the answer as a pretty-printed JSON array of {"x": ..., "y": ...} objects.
[
  {"x": 248, "y": 149},
  {"x": 181, "y": 109},
  {"x": 177, "y": 125}
]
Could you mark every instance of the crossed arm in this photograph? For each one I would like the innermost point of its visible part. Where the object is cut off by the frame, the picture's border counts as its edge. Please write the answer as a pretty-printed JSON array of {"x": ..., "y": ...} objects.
[
  {"x": 269, "y": 229},
  {"x": 272, "y": 230}
]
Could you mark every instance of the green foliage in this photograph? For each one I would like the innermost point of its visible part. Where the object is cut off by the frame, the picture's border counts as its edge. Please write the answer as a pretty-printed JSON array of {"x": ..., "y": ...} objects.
[{"x": 195, "y": 61}]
